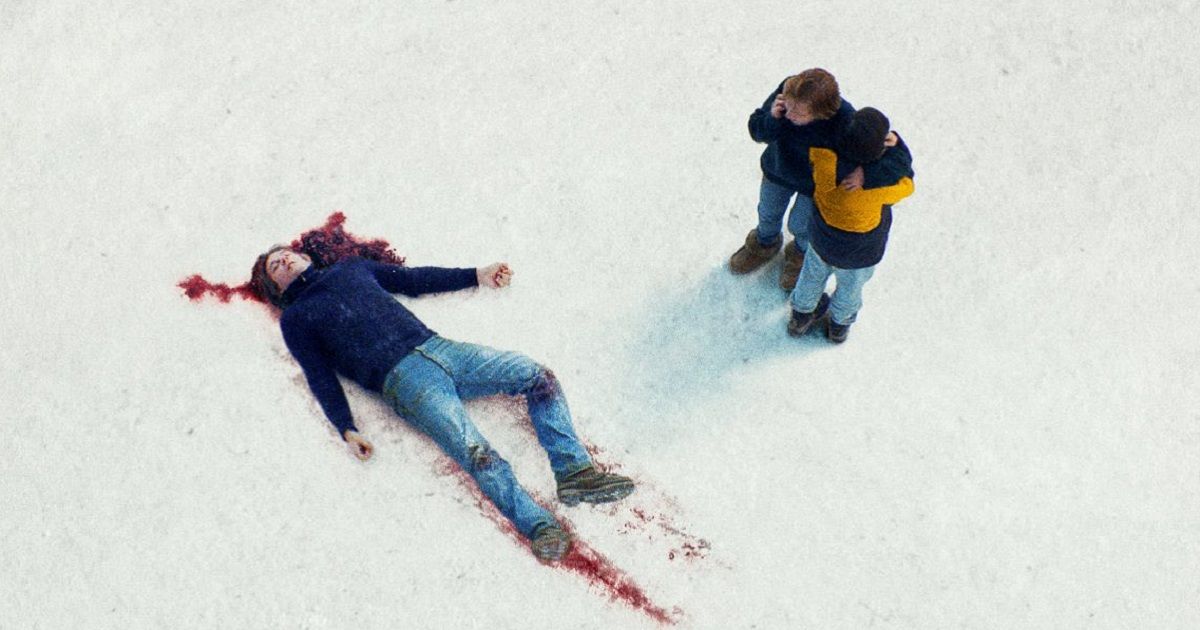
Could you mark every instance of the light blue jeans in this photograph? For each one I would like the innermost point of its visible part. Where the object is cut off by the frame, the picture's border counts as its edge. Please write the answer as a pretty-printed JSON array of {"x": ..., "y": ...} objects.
[
  {"x": 772, "y": 205},
  {"x": 846, "y": 299},
  {"x": 427, "y": 388}
]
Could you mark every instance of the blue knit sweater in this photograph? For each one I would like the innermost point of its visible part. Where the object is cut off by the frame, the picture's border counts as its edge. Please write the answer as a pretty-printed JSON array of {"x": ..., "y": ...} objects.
[{"x": 344, "y": 319}]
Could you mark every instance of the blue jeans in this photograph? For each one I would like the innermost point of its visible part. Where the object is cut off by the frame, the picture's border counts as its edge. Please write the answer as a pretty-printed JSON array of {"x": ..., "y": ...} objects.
[
  {"x": 427, "y": 388},
  {"x": 772, "y": 205},
  {"x": 847, "y": 298}
]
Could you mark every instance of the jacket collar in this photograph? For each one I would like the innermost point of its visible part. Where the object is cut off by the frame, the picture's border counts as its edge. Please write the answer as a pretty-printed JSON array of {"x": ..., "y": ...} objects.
[{"x": 298, "y": 286}]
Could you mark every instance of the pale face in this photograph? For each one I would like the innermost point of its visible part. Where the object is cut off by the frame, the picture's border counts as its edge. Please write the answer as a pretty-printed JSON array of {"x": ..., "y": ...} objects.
[
  {"x": 285, "y": 265},
  {"x": 798, "y": 113}
]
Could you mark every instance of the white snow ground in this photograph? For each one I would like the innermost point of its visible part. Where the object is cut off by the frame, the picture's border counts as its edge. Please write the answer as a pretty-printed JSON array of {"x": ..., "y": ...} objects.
[{"x": 1010, "y": 438}]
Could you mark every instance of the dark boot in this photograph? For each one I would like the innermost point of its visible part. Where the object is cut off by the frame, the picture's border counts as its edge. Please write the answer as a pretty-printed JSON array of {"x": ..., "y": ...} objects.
[
  {"x": 753, "y": 254},
  {"x": 801, "y": 322},
  {"x": 592, "y": 486},
  {"x": 793, "y": 262},
  {"x": 549, "y": 542},
  {"x": 837, "y": 333}
]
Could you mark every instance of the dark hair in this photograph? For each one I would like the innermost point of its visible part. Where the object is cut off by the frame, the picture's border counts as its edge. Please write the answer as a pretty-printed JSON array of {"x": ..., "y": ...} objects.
[
  {"x": 862, "y": 139},
  {"x": 816, "y": 88},
  {"x": 260, "y": 281}
]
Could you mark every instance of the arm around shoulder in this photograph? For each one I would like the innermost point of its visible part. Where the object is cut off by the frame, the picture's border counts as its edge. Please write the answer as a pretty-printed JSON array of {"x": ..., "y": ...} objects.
[{"x": 893, "y": 166}]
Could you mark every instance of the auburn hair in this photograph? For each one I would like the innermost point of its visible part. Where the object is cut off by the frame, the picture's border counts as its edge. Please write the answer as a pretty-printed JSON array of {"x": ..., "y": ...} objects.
[
  {"x": 260, "y": 281},
  {"x": 816, "y": 88}
]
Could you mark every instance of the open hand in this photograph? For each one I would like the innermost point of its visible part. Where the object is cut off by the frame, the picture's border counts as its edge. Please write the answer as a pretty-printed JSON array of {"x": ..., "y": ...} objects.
[
  {"x": 494, "y": 276},
  {"x": 359, "y": 445}
]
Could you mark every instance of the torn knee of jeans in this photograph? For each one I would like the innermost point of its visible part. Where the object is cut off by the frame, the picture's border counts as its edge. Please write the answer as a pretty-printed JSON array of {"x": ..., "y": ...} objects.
[
  {"x": 545, "y": 385},
  {"x": 482, "y": 457}
]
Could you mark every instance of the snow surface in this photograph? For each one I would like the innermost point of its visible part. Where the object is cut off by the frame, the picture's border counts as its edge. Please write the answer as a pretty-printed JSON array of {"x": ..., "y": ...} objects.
[{"x": 1009, "y": 439}]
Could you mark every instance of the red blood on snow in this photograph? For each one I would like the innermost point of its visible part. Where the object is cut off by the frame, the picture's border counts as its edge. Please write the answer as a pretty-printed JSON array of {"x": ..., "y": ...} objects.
[
  {"x": 582, "y": 559},
  {"x": 196, "y": 287},
  {"x": 326, "y": 245},
  {"x": 598, "y": 570}
]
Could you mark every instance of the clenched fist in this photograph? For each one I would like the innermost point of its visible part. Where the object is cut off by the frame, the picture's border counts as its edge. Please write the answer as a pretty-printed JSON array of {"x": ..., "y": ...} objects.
[{"x": 494, "y": 276}]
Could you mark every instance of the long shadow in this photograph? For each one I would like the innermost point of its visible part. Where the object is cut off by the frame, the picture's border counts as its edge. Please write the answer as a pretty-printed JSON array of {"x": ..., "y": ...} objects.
[{"x": 693, "y": 337}]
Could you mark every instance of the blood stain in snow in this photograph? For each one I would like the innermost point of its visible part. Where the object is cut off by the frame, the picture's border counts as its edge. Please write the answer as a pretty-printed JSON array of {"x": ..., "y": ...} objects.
[
  {"x": 582, "y": 559},
  {"x": 326, "y": 245}
]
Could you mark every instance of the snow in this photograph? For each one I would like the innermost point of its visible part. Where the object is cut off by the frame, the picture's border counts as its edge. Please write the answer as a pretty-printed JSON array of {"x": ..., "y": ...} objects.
[{"x": 1010, "y": 437}]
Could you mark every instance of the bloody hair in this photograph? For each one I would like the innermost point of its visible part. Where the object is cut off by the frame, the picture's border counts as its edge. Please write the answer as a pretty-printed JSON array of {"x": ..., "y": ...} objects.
[
  {"x": 816, "y": 88},
  {"x": 326, "y": 245}
]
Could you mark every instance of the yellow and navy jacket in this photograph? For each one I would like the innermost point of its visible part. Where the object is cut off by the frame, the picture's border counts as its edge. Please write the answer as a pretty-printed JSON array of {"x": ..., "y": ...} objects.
[
  {"x": 785, "y": 160},
  {"x": 850, "y": 228}
]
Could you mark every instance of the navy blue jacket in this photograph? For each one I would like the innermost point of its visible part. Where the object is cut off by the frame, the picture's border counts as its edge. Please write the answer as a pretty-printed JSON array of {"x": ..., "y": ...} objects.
[
  {"x": 850, "y": 229},
  {"x": 344, "y": 319},
  {"x": 785, "y": 160}
]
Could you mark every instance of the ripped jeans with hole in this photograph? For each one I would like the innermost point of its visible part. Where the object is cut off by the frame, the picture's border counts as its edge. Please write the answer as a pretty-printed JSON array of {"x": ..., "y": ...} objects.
[{"x": 427, "y": 388}]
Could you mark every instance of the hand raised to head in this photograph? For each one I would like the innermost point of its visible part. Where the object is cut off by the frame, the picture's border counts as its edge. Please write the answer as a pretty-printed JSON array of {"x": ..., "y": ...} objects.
[
  {"x": 494, "y": 276},
  {"x": 778, "y": 106}
]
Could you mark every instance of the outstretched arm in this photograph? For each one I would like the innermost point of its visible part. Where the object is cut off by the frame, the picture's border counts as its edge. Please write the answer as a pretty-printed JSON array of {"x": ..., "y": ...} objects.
[
  {"x": 322, "y": 379},
  {"x": 414, "y": 281}
]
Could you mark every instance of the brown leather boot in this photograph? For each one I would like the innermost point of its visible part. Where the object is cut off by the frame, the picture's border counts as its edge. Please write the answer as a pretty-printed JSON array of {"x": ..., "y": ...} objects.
[
  {"x": 793, "y": 262},
  {"x": 752, "y": 255}
]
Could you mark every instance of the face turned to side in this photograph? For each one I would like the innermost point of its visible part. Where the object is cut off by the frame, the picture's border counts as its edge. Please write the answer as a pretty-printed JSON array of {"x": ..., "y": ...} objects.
[
  {"x": 810, "y": 96},
  {"x": 798, "y": 112},
  {"x": 285, "y": 265}
]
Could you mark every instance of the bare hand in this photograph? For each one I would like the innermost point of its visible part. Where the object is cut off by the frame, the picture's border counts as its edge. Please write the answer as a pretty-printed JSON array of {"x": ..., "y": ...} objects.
[
  {"x": 359, "y": 445},
  {"x": 854, "y": 180},
  {"x": 891, "y": 140},
  {"x": 779, "y": 107},
  {"x": 494, "y": 276}
]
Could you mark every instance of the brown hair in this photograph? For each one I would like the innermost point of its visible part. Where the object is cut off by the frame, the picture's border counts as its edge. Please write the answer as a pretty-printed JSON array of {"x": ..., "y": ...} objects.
[
  {"x": 260, "y": 281},
  {"x": 816, "y": 88}
]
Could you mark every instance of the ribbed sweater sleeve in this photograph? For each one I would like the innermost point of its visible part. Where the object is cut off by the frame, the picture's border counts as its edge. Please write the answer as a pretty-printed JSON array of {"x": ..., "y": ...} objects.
[
  {"x": 322, "y": 379},
  {"x": 894, "y": 165},
  {"x": 414, "y": 281}
]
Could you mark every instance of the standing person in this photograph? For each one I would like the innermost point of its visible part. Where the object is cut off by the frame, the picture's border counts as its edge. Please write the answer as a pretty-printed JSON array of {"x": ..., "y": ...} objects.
[
  {"x": 849, "y": 231},
  {"x": 343, "y": 318},
  {"x": 804, "y": 111}
]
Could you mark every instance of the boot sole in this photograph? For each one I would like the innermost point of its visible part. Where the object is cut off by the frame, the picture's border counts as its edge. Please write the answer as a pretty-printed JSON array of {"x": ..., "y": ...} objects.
[
  {"x": 551, "y": 550},
  {"x": 602, "y": 495}
]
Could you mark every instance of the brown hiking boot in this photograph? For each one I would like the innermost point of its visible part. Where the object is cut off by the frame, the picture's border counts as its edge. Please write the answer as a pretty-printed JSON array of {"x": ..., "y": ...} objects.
[
  {"x": 752, "y": 255},
  {"x": 793, "y": 262}
]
